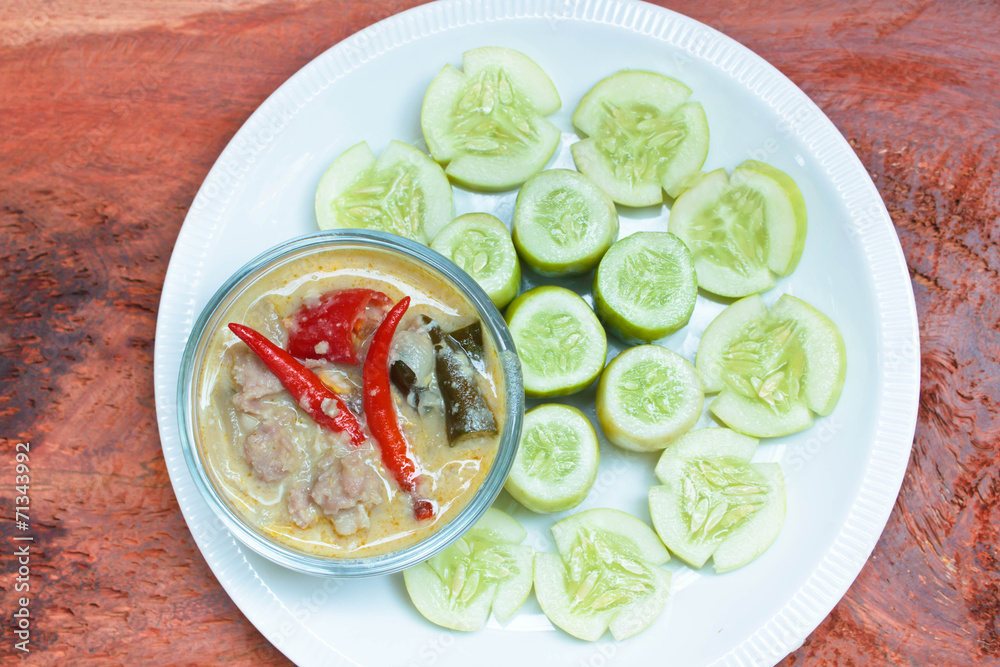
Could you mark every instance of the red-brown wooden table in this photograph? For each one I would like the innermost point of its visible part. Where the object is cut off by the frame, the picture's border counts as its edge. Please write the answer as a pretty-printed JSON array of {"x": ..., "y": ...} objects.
[{"x": 112, "y": 113}]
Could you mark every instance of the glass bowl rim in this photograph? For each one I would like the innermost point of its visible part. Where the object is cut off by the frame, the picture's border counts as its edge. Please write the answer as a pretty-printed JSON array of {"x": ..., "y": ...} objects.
[{"x": 489, "y": 489}]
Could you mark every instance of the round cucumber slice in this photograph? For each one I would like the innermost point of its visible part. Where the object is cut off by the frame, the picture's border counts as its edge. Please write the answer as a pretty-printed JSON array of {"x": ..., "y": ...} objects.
[
  {"x": 403, "y": 192},
  {"x": 563, "y": 223},
  {"x": 645, "y": 287},
  {"x": 772, "y": 368},
  {"x": 480, "y": 244},
  {"x": 741, "y": 229},
  {"x": 486, "y": 568},
  {"x": 556, "y": 462},
  {"x": 642, "y": 138},
  {"x": 647, "y": 397},
  {"x": 607, "y": 575},
  {"x": 561, "y": 343},
  {"x": 487, "y": 122},
  {"x": 714, "y": 503}
]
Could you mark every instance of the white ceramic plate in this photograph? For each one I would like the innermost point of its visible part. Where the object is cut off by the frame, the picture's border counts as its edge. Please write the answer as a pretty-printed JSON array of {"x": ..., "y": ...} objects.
[{"x": 842, "y": 475}]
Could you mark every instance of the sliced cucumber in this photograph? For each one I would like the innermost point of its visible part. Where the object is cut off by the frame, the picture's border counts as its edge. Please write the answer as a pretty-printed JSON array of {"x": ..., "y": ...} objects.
[
  {"x": 556, "y": 462},
  {"x": 772, "y": 368},
  {"x": 741, "y": 229},
  {"x": 642, "y": 138},
  {"x": 560, "y": 341},
  {"x": 403, "y": 192},
  {"x": 606, "y": 576},
  {"x": 487, "y": 122},
  {"x": 486, "y": 568},
  {"x": 720, "y": 334},
  {"x": 481, "y": 245},
  {"x": 647, "y": 397},
  {"x": 759, "y": 532},
  {"x": 714, "y": 503},
  {"x": 823, "y": 347},
  {"x": 645, "y": 287},
  {"x": 563, "y": 223},
  {"x": 795, "y": 199},
  {"x": 759, "y": 419}
]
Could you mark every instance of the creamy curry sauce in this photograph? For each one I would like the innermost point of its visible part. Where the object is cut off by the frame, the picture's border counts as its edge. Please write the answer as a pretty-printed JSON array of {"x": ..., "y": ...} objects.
[{"x": 306, "y": 486}]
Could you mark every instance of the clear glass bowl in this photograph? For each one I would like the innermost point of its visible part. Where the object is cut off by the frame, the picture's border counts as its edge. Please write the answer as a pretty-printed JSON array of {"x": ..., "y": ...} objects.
[{"x": 407, "y": 251}]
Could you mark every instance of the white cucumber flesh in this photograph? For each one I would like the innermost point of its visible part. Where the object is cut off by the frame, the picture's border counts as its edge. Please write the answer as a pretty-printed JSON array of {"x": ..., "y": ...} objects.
[
  {"x": 713, "y": 502},
  {"x": 487, "y": 123},
  {"x": 641, "y": 137},
  {"x": 825, "y": 354},
  {"x": 606, "y": 575},
  {"x": 486, "y": 568}
]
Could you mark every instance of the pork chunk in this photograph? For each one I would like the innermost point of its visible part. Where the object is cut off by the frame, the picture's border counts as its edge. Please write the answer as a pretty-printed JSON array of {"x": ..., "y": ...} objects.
[
  {"x": 270, "y": 451},
  {"x": 346, "y": 490},
  {"x": 300, "y": 506},
  {"x": 255, "y": 382}
]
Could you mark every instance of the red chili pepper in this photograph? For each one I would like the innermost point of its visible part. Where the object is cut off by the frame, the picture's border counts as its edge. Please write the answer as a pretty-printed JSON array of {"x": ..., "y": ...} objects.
[
  {"x": 332, "y": 328},
  {"x": 304, "y": 385},
  {"x": 381, "y": 412}
]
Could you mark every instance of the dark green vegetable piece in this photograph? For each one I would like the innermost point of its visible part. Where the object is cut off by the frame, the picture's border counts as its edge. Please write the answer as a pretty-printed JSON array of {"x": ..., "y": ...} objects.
[
  {"x": 466, "y": 412},
  {"x": 405, "y": 380},
  {"x": 471, "y": 339}
]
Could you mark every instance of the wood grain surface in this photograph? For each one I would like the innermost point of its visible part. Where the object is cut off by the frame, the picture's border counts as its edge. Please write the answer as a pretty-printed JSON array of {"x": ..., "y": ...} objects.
[{"x": 113, "y": 112}]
